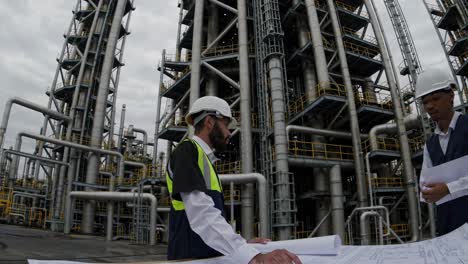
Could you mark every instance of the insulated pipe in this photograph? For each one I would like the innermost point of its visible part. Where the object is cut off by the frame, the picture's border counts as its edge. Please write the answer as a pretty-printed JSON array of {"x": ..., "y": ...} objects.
[
  {"x": 100, "y": 111},
  {"x": 196, "y": 51},
  {"x": 33, "y": 106},
  {"x": 145, "y": 139},
  {"x": 120, "y": 171},
  {"x": 112, "y": 197},
  {"x": 321, "y": 132},
  {"x": 179, "y": 29},
  {"x": 337, "y": 201},
  {"x": 315, "y": 163},
  {"x": 310, "y": 81},
  {"x": 357, "y": 151},
  {"x": 364, "y": 227},
  {"x": 410, "y": 122},
  {"x": 431, "y": 213},
  {"x": 121, "y": 128},
  {"x": 247, "y": 199},
  {"x": 211, "y": 86},
  {"x": 397, "y": 108},
  {"x": 261, "y": 193},
  {"x": 317, "y": 43},
  {"x": 158, "y": 113},
  {"x": 278, "y": 107},
  {"x": 138, "y": 164}
]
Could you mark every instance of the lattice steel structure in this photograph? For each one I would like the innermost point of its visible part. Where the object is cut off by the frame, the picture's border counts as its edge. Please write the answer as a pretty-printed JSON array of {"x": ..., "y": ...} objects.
[{"x": 319, "y": 79}]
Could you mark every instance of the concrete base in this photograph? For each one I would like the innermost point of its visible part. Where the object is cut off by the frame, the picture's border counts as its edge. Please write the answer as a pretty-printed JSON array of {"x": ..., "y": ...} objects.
[{"x": 17, "y": 244}]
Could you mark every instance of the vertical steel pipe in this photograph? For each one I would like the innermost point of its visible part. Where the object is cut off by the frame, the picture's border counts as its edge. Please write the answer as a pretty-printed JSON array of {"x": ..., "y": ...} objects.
[
  {"x": 246, "y": 127},
  {"x": 281, "y": 143},
  {"x": 354, "y": 122},
  {"x": 397, "y": 108},
  {"x": 196, "y": 51},
  {"x": 317, "y": 43},
  {"x": 337, "y": 201},
  {"x": 158, "y": 113}
]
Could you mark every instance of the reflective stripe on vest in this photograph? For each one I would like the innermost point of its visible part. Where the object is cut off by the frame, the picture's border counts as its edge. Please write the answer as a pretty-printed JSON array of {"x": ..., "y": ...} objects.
[{"x": 206, "y": 168}]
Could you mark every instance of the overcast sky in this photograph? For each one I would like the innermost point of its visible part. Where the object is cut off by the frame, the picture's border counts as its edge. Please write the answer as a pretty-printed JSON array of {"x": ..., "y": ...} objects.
[{"x": 32, "y": 36}]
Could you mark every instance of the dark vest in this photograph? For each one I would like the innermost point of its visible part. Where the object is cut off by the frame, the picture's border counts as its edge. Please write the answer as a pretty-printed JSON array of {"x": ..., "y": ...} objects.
[
  {"x": 457, "y": 146},
  {"x": 183, "y": 242}
]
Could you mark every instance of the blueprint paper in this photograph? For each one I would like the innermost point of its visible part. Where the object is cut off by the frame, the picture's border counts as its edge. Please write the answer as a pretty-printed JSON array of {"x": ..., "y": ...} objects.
[
  {"x": 447, "y": 172},
  {"x": 449, "y": 249},
  {"x": 327, "y": 245}
]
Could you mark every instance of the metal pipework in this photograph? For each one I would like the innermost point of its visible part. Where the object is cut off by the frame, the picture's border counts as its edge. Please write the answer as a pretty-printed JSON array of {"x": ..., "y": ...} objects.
[
  {"x": 121, "y": 128},
  {"x": 337, "y": 201},
  {"x": 357, "y": 151},
  {"x": 401, "y": 131},
  {"x": 245, "y": 126},
  {"x": 120, "y": 171},
  {"x": 158, "y": 113},
  {"x": 363, "y": 220},
  {"x": 410, "y": 122},
  {"x": 317, "y": 43},
  {"x": 307, "y": 162},
  {"x": 211, "y": 85},
  {"x": 196, "y": 51},
  {"x": 145, "y": 139},
  {"x": 100, "y": 110},
  {"x": 261, "y": 193},
  {"x": 280, "y": 138},
  {"x": 113, "y": 197},
  {"x": 310, "y": 81},
  {"x": 321, "y": 132},
  {"x": 33, "y": 106},
  {"x": 137, "y": 164}
]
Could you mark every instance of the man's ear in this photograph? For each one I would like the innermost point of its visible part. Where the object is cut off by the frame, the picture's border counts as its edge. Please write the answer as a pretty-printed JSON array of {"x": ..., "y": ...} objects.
[{"x": 209, "y": 122}]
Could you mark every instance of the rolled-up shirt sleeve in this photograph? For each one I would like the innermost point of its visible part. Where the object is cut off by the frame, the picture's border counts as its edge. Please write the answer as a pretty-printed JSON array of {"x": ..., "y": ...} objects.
[{"x": 210, "y": 225}]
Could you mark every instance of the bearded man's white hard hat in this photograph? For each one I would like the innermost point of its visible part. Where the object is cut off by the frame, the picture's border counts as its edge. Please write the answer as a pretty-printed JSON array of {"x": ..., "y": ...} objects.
[{"x": 210, "y": 105}]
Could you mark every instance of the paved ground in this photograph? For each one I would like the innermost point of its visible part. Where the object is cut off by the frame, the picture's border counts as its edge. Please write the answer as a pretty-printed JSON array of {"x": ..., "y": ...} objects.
[{"x": 17, "y": 244}]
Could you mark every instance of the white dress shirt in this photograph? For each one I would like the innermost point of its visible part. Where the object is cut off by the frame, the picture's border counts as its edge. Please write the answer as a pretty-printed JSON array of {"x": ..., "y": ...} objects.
[
  {"x": 206, "y": 220},
  {"x": 456, "y": 188}
]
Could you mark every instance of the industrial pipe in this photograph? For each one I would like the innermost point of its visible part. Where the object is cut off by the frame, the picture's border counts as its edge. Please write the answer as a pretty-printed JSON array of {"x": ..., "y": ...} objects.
[
  {"x": 137, "y": 164},
  {"x": 145, "y": 139},
  {"x": 321, "y": 132},
  {"x": 158, "y": 113},
  {"x": 120, "y": 171},
  {"x": 261, "y": 193},
  {"x": 410, "y": 122},
  {"x": 112, "y": 197},
  {"x": 397, "y": 109},
  {"x": 121, "y": 128},
  {"x": 33, "y": 106},
  {"x": 100, "y": 109},
  {"x": 337, "y": 201},
  {"x": 364, "y": 227},
  {"x": 247, "y": 199},
  {"x": 354, "y": 123}
]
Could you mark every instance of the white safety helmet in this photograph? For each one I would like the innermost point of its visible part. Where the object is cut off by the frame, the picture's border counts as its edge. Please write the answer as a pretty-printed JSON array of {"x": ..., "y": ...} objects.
[
  {"x": 210, "y": 105},
  {"x": 432, "y": 80}
]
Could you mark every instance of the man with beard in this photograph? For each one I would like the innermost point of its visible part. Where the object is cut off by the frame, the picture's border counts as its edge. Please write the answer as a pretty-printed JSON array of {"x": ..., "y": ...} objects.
[
  {"x": 449, "y": 142},
  {"x": 197, "y": 225}
]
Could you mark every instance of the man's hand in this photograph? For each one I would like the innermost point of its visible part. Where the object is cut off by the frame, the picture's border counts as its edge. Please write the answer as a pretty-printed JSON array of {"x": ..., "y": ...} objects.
[
  {"x": 258, "y": 240},
  {"x": 434, "y": 192},
  {"x": 278, "y": 256}
]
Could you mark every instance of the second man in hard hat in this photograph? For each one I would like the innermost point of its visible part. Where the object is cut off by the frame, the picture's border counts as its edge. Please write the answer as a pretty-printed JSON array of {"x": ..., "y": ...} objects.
[
  {"x": 435, "y": 89},
  {"x": 197, "y": 225}
]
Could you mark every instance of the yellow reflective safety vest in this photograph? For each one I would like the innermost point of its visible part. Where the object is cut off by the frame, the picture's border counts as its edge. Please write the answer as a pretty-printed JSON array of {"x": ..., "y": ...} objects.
[{"x": 183, "y": 242}]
